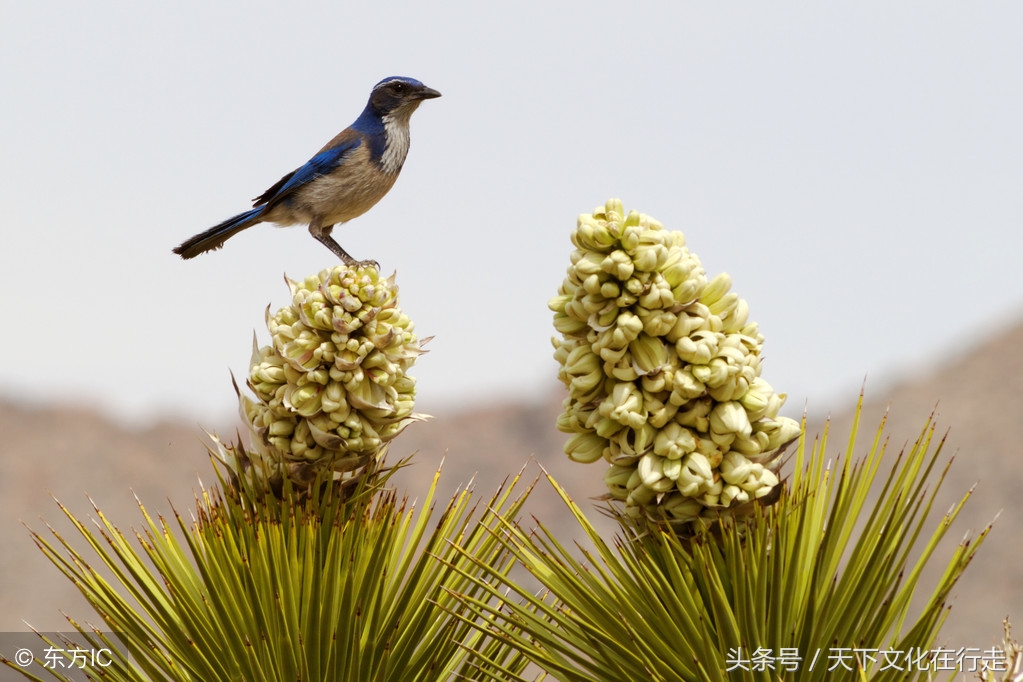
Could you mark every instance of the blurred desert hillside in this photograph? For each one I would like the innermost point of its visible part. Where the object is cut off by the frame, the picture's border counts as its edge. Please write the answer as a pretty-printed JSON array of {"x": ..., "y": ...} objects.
[{"x": 68, "y": 452}]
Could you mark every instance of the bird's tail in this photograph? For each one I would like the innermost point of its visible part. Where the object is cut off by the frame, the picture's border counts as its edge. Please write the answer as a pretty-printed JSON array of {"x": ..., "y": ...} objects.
[{"x": 215, "y": 237}]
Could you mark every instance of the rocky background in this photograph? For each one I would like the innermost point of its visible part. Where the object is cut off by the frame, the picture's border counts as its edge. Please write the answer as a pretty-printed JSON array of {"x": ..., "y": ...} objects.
[{"x": 69, "y": 452}]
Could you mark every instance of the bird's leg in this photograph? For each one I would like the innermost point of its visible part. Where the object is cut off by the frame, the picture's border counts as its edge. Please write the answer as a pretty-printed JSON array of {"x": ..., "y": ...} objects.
[{"x": 322, "y": 234}]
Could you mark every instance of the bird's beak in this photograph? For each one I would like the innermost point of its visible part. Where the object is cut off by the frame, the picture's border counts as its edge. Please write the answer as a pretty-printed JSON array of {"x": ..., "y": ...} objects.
[{"x": 427, "y": 93}]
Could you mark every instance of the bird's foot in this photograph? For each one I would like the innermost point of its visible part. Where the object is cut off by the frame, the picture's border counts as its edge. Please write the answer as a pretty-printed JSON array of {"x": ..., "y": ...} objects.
[{"x": 364, "y": 264}]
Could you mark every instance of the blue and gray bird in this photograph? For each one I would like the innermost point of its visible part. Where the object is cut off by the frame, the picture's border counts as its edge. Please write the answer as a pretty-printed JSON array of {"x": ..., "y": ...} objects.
[{"x": 342, "y": 181}]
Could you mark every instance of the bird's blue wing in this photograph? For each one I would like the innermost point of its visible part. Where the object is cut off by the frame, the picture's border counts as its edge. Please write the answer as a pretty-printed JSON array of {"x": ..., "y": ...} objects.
[{"x": 321, "y": 164}]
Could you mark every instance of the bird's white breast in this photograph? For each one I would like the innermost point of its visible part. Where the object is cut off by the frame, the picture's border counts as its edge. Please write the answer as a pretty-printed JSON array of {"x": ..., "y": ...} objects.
[{"x": 396, "y": 130}]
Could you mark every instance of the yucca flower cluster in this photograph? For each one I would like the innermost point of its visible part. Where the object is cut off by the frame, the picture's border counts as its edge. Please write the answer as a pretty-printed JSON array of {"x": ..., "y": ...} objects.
[
  {"x": 663, "y": 369},
  {"x": 332, "y": 389}
]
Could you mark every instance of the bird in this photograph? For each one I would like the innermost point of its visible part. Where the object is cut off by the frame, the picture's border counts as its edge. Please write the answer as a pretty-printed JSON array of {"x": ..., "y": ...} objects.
[{"x": 343, "y": 180}]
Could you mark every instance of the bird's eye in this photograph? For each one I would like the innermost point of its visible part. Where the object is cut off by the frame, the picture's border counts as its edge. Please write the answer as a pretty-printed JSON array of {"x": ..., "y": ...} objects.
[{"x": 398, "y": 88}]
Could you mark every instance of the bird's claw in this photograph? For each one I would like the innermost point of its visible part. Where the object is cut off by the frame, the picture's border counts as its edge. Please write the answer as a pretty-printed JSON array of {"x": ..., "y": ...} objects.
[{"x": 364, "y": 264}]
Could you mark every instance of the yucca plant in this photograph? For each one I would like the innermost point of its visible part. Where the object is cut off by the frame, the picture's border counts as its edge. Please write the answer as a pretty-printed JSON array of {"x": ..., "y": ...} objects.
[
  {"x": 722, "y": 571},
  {"x": 817, "y": 586},
  {"x": 317, "y": 587},
  {"x": 302, "y": 564}
]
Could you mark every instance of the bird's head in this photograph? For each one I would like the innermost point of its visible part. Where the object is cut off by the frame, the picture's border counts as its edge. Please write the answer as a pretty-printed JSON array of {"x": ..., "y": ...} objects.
[{"x": 399, "y": 96}]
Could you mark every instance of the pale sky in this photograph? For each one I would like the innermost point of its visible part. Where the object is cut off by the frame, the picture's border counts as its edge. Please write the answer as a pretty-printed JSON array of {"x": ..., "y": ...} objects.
[{"x": 856, "y": 167}]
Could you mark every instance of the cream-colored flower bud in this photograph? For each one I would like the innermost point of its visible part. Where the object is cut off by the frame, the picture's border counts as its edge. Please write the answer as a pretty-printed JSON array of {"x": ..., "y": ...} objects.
[
  {"x": 696, "y": 471},
  {"x": 602, "y": 314},
  {"x": 725, "y": 306},
  {"x": 587, "y": 387},
  {"x": 624, "y": 405},
  {"x": 579, "y": 360},
  {"x": 774, "y": 404},
  {"x": 573, "y": 418},
  {"x": 650, "y": 257},
  {"x": 695, "y": 415},
  {"x": 713, "y": 323},
  {"x": 733, "y": 388},
  {"x": 685, "y": 386},
  {"x": 712, "y": 495},
  {"x": 618, "y": 264},
  {"x": 662, "y": 486},
  {"x": 304, "y": 399},
  {"x": 686, "y": 279},
  {"x": 271, "y": 373},
  {"x": 281, "y": 323},
  {"x": 636, "y": 440},
  {"x": 659, "y": 382},
  {"x": 637, "y": 284},
  {"x": 622, "y": 369},
  {"x": 592, "y": 234},
  {"x": 568, "y": 325},
  {"x": 585, "y": 447},
  {"x": 733, "y": 494},
  {"x": 757, "y": 398},
  {"x": 589, "y": 263},
  {"x": 610, "y": 289},
  {"x": 734, "y": 322},
  {"x": 715, "y": 373},
  {"x": 592, "y": 286},
  {"x": 281, "y": 428},
  {"x": 749, "y": 446},
  {"x": 614, "y": 211},
  {"x": 605, "y": 427},
  {"x": 657, "y": 294},
  {"x": 649, "y": 354},
  {"x": 730, "y": 417},
  {"x": 624, "y": 300},
  {"x": 632, "y": 234},
  {"x": 641, "y": 496},
  {"x": 735, "y": 468},
  {"x": 779, "y": 431},
  {"x": 681, "y": 508},
  {"x": 709, "y": 449},
  {"x": 615, "y": 478},
  {"x": 350, "y": 352},
  {"x": 674, "y": 441},
  {"x": 304, "y": 348},
  {"x": 768, "y": 482},
  {"x": 716, "y": 288},
  {"x": 671, "y": 468},
  {"x": 618, "y": 475},
  {"x": 266, "y": 375},
  {"x": 650, "y": 469},
  {"x": 657, "y": 322},
  {"x": 627, "y": 329},
  {"x": 698, "y": 348},
  {"x": 660, "y": 409}
]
